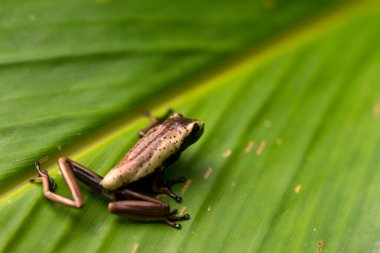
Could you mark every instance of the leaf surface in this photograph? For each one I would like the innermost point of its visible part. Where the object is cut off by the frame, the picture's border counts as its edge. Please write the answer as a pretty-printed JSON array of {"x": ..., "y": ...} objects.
[{"x": 288, "y": 161}]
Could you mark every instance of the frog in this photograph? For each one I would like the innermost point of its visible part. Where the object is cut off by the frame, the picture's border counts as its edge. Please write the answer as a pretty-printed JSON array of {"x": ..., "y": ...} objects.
[{"x": 160, "y": 145}]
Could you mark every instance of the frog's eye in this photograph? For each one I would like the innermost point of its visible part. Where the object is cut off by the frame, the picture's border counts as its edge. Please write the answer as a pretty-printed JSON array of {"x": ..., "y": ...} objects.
[
  {"x": 196, "y": 131},
  {"x": 196, "y": 128}
]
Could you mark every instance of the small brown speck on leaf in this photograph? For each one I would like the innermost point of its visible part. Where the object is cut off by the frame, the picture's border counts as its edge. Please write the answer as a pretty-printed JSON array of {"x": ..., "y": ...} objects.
[
  {"x": 182, "y": 210},
  {"x": 278, "y": 141},
  {"x": 59, "y": 148},
  {"x": 135, "y": 248},
  {"x": 186, "y": 186},
  {"x": 297, "y": 189},
  {"x": 376, "y": 110},
  {"x": 227, "y": 153},
  {"x": 209, "y": 208},
  {"x": 249, "y": 146},
  {"x": 320, "y": 246},
  {"x": 261, "y": 147},
  {"x": 208, "y": 173}
]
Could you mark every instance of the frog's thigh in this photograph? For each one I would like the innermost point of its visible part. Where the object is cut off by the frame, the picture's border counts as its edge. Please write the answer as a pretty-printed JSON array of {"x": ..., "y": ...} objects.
[{"x": 140, "y": 210}]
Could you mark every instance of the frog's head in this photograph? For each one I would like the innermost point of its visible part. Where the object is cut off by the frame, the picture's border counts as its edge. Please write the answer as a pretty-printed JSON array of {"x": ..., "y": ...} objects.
[{"x": 194, "y": 129}]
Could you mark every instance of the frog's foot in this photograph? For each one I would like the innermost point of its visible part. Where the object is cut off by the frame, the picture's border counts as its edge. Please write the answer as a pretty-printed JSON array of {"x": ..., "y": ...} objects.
[
  {"x": 162, "y": 186},
  {"x": 171, "y": 218},
  {"x": 155, "y": 121},
  {"x": 169, "y": 183},
  {"x": 41, "y": 174},
  {"x": 168, "y": 191},
  {"x": 174, "y": 212},
  {"x": 166, "y": 187}
]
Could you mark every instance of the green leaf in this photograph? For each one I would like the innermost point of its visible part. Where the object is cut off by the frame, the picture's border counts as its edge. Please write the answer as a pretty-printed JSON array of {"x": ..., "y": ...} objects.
[{"x": 289, "y": 158}]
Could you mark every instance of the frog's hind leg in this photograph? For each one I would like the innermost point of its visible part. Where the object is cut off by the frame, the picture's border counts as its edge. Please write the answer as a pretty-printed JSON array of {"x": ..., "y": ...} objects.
[
  {"x": 48, "y": 186},
  {"x": 70, "y": 170},
  {"x": 144, "y": 208},
  {"x": 155, "y": 121}
]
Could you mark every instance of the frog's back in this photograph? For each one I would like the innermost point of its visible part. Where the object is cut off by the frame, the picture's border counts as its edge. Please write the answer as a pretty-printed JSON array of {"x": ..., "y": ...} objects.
[{"x": 149, "y": 153}]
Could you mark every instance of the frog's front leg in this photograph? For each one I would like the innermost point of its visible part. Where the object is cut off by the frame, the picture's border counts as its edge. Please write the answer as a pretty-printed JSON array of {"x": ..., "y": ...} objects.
[
  {"x": 155, "y": 121},
  {"x": 162, "y": 186},
  {"x": 141, "y": 207}
]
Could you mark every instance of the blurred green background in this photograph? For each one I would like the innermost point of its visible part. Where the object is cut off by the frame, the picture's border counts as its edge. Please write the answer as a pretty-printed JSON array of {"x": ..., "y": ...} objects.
[{"x": 289, "y": 92}]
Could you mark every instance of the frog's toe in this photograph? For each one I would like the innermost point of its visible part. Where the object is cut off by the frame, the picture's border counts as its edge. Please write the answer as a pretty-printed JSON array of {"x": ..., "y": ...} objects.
[
  {"x": 173, "y": 217},
  {"x": 171, "y": 182}
]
